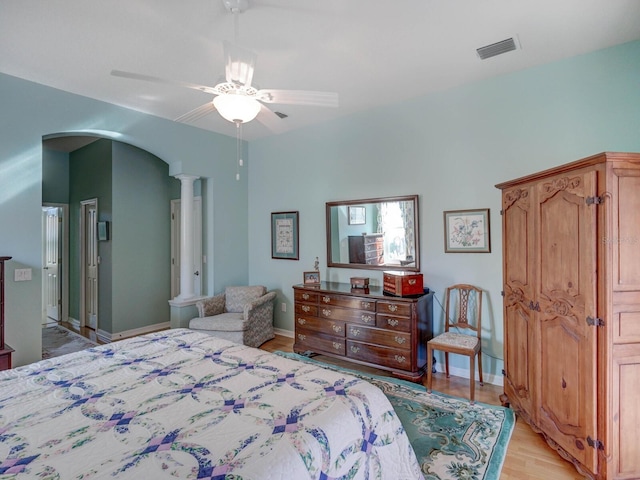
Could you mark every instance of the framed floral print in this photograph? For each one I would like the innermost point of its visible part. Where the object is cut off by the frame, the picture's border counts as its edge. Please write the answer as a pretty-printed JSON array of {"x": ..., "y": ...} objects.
[{"x": 467, "y": 231}]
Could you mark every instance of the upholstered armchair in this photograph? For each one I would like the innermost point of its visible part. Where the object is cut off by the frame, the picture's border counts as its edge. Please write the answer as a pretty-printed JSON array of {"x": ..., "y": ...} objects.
[{"x": 240, "y": 314}]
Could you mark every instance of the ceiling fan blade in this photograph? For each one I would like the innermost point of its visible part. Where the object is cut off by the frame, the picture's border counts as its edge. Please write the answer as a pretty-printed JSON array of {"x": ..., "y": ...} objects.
[
  {"x": 149, "y": 78},
  {"x": 239, "y": 64},
  {"x": 197, "y": 113},
  {"x": 298, "y": 97},
  {"x": 269, "y": 119}
]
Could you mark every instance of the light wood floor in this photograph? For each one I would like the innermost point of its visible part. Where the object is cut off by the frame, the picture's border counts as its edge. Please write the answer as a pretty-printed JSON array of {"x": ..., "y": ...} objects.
[{"x": 528, "y": 455}]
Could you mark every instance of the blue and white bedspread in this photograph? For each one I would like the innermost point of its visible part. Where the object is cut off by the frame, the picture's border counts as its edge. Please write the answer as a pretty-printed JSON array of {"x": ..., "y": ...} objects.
[{"x": 180, "y": 404}]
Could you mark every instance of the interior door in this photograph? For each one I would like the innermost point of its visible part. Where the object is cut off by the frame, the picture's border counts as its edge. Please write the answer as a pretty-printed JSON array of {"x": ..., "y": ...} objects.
[
  {"x": 89, "y": 218},
  {"x": 197, "y": 247},
  {"x": 52, "y": 257},
  {"x": 567, "y": 297}
]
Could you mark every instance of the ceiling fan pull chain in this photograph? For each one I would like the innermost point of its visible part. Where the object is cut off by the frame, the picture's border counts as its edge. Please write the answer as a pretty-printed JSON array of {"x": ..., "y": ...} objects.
[{"x": 238, "y": 148}]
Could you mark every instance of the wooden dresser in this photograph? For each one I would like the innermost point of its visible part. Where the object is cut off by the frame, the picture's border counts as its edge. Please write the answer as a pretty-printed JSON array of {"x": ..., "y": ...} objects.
[
  {"x": 5, "y": 350},
  {"x": 571, "y": 266},
  {"x": 373, "y": 329},
  {"x": 368, "y": 249}
]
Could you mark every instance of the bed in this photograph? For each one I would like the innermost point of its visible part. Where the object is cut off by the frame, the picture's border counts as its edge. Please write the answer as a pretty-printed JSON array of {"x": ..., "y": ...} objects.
[{"x": 182, "y": 404}]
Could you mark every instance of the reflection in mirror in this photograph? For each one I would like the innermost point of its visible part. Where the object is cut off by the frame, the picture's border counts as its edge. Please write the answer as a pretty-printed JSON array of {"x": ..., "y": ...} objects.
[{"x": 376, "y": 233}]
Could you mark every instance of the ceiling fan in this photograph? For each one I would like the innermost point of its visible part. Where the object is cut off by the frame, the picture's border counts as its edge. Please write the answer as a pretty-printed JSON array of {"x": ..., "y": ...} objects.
[{"x": 235, "y": 98}]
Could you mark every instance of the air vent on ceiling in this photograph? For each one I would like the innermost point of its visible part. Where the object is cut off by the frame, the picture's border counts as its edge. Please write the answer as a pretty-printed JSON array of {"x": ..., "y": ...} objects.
[
  {"x": 281, "y": 115},
  {"x": 497, "y": 48}
]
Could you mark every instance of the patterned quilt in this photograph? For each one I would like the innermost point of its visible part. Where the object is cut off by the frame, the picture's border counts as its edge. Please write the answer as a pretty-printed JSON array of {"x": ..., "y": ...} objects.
[{"x": 181, "y": 404}]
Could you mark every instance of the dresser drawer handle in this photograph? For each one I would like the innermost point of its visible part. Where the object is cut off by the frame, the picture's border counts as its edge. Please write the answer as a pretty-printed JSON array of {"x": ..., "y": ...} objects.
[
  {"x": 337, "y": 346},
  {"x": 355, "y": 349},
  {"x": 412, "y": 281},
  {"x": 306, "y": 308},
  {"x": 367, "y": 318},
  {"x": 326, "y": 299},
  {"x": 302, "y": 321},
  {"x": 400, "y": 340},
  {"x": 393, "y": 322},
  {"x": 392, "y": 308},
  {"x": 366, "y": 305},
  {"x": 326, "y": 312},
  {"x": 355, "y": 332},
  {"x": 336, "y": 328},
  {"x": 302, "y": 337},
  {"x": 399, "y": 358},
  {"x": 305, "y": 296}
]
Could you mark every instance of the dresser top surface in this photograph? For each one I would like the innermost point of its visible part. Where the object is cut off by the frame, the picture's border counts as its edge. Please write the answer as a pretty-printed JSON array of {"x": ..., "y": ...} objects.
[{"x": 373, "y": 292}]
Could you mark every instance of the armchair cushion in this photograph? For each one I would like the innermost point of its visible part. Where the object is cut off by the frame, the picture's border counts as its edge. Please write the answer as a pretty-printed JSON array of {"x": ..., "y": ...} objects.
[{"x": 237, "y": 297}]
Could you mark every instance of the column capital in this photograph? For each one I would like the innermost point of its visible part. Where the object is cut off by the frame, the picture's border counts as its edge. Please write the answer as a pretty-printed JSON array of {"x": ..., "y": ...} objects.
[{"x": 185, "y": 178}]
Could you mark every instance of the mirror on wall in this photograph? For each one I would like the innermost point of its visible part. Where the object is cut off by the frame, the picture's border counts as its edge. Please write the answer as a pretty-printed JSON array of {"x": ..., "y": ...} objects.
[{"x": 376, "y": 233}]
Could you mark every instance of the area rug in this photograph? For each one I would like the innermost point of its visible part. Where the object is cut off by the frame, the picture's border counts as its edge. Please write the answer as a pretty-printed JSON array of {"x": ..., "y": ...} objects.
[
  {"x": 58, "y": 341},
  {"x": 452, "y": 438}
]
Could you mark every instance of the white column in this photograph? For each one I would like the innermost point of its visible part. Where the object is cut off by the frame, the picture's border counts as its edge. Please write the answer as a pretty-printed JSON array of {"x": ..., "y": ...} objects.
[{"x": 186, "y": 236}]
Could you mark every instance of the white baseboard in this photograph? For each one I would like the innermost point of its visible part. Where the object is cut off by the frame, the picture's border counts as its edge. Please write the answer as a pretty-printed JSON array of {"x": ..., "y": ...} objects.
[
  {"x": 110, "y": 337},
  {"x": 464, "y": 373},
  {"x": 284, "y": 333}
]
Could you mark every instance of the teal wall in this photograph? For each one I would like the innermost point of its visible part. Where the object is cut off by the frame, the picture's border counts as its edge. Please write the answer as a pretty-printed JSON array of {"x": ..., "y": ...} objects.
[
  {"x": 55, "y": 176},
  {"x": 29, "y": 113},
  {"x": 140, "y": 239},
  {"x": 451, "y": 148}
]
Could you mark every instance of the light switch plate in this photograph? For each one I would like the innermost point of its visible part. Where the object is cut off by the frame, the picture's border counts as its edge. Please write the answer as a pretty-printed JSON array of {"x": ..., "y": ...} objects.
[{"x": 22, "y": 274}]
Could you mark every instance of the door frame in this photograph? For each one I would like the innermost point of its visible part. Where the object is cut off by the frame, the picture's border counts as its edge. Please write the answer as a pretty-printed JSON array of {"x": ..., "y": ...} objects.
[
  {"x": 63, "y": 272},
  {"x": 84, "y": 204}
]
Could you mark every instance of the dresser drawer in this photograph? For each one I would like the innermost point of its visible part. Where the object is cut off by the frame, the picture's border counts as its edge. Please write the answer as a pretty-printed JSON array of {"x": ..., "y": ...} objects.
[
  {"x": 348, "y": 302},
  {"x": 318, "y": 342},
  {"x": 395, "y": 308},
  {"x": 387, "y": 357},
  {"x": 304, "y": 309},
  {"x": 379, "y": 336},
  {"x": 395, "y": 323},
  {"x": 347, "y": 315},
  {"x": 320, "y": 325},
  {"x": 305, "y": 297}
]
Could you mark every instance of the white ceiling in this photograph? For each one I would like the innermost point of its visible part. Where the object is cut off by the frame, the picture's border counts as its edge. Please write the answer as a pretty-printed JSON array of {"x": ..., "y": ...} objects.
[{"x": 371, "y": 52}]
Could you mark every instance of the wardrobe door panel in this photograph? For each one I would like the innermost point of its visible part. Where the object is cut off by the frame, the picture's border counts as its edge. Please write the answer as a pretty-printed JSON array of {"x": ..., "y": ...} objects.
[
  {"x": 518, "y": 298},
  {"x": 566, "y": 393}
]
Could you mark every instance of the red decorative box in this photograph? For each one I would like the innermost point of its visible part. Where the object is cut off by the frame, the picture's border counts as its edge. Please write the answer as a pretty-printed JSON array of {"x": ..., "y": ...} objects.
[{"x": 403, "y": 284}]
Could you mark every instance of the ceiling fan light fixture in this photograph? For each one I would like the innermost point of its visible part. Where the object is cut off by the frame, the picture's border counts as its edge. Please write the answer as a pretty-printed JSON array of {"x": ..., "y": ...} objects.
[{"x": 237, "y": 108}]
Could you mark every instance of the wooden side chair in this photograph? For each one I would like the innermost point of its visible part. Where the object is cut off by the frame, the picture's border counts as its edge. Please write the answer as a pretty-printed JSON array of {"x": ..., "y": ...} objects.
[{"x": 463, "y": 311}]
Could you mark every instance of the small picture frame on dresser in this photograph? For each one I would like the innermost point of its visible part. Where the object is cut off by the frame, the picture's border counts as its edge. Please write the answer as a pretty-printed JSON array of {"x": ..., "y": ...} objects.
[{"x": 311, "y": 278}]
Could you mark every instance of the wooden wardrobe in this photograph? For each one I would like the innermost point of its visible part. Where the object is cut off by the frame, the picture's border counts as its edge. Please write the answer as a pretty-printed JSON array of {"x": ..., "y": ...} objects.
[{"x": 571, "y": 266}]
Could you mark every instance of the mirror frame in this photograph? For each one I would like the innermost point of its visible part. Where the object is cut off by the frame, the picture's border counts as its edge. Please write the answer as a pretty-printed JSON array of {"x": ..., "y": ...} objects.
[{"x": 362, "y": 266}]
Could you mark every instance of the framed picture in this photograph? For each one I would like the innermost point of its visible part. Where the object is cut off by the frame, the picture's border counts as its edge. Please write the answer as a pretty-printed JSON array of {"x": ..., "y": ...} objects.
[
  {"x": 467, "y": 231},
  {"x": 284, "y": 235},
  {"x": 312, "y": 278},
  {"x": 103, "y": 231},
  {"x": 357, "y": 216}
]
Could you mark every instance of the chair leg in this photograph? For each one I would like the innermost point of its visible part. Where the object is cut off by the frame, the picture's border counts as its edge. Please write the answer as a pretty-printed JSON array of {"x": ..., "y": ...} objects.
[
  {"x": 429, "y": 367},
  {"x": 480, "y": 368},
  {"x": 472, "y": 378},
  {"x": 446, "y": 363}
]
